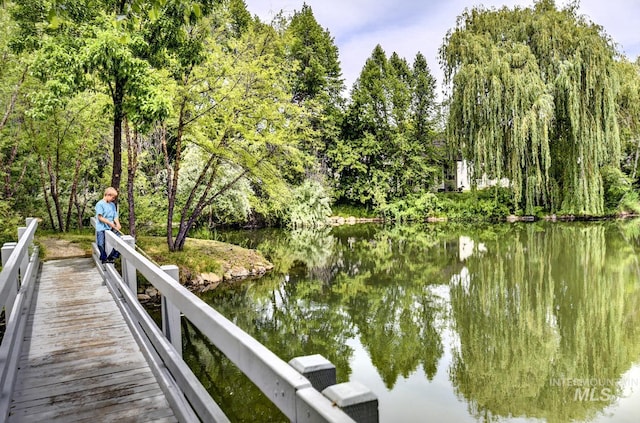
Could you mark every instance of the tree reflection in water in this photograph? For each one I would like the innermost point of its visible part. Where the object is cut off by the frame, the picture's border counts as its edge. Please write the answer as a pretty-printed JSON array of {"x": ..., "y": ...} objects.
[
  {"x": 543, "y": 312},
  {"x": 534, "y": 308}
]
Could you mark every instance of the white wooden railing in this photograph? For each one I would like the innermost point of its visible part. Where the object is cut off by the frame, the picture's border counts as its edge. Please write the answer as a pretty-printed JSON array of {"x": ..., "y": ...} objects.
[
  {"x": 20, "y": 266},
  {"x": 293, "y": 393}
]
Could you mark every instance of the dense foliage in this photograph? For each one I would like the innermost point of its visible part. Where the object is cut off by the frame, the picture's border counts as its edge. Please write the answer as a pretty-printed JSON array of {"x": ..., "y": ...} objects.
[
  {"x": 211, "y": 117},
  {"x": 387, "y": 149},
  {"x": 534, "y": 99}
]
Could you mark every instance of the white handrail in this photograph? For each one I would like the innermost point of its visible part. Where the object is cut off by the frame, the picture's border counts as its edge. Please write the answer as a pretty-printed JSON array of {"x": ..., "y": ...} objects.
[
  {"x": 290, "y": 391},
  {"x": 20, "y": 264}
]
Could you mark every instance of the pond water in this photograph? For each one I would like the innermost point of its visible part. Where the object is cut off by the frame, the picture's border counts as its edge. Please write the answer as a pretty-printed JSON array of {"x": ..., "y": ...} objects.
[{"x": 536, "y": 322}]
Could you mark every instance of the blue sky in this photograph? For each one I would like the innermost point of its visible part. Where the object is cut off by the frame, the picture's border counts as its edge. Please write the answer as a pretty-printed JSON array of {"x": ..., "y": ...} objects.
[{"x": 409, "y": 26}]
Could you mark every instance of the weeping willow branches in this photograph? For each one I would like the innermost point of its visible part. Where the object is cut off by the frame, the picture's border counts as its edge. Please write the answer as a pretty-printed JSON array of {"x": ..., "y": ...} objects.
[{"x": 533, "y": 99}]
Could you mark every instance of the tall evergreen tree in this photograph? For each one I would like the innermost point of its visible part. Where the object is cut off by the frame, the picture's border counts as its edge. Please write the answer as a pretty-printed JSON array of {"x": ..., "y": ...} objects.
[
  {"x": 424, "y": 103},
  {"x": 316, "y": 82},
  {"x": 358, "y": 158},
  {"x": 387, "y": 150},
  {"x": 317, "y": 68},
  {"x": 427, "y": 156}
]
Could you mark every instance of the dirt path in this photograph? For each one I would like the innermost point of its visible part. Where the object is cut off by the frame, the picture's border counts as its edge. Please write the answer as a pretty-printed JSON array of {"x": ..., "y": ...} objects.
[{"x": 58, "y": 249}]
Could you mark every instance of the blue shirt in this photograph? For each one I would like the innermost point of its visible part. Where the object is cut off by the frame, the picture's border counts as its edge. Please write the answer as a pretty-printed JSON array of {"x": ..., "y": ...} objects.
[{"x": 107, "y": 210}]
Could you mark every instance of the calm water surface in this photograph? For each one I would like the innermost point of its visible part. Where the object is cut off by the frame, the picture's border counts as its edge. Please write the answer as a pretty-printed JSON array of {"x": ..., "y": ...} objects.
[{"x": 448, "y": 323}]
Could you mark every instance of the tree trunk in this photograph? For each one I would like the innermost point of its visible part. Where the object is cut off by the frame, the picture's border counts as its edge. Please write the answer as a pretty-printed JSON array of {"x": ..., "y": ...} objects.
[
  {"x": 173, "y": 173},
  {"x": 132, "y": 167},
  {"x": 72, "y": 197},
  {"x": 190, "y": 215},
  {"x": 53, "y": 188},
  {"x": 635, "y": 162},
  {"x": 74, "y": 189},
  {"x": 171, "y": 199},
  {"x": 43, "y": 175},
  {"x": 118, "y": 115},
  {"x": 80, "y": 208}
]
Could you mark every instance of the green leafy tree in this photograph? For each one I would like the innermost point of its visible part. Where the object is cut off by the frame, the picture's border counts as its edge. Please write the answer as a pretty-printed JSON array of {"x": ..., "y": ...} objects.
[
  {"x": 235, "y": 109},
  {"x": 28, "y": 103},
  {"x": 13, "y": 76},
  {"x": 66, "y": 142},
  {"x": 69, "y": 45},
  {"x": 534, "y": 100},
  {"x": 118, "y": 43}
]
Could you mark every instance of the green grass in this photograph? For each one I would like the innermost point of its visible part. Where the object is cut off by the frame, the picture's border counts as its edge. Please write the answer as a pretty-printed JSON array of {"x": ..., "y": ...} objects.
[{"x": 198, "y": 256}]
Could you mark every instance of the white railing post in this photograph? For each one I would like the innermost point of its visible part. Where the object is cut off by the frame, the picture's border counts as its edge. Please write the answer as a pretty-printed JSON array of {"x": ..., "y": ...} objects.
[
  {"x": 355, "y": 399},
  {"x": 7, "y": 249},
  {"x": 129, "y": 269},
  {"x": 320, "y": 371},
  {"x": 25, "y": 258},
  {"x": 171, "y": 314}
]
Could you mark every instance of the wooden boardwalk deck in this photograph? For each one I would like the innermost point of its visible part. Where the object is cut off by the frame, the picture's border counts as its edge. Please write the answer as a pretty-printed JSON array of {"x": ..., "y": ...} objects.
[{"x": 80, "y": 362}]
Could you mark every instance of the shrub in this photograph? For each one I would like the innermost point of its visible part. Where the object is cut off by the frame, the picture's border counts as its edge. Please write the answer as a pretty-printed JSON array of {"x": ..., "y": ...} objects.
[
  {"x": 413, "y": 208},
  {"x": 311, "y": 206},
  {"x": 491, "y": 204},
  {"x": 618, "y": 190}
]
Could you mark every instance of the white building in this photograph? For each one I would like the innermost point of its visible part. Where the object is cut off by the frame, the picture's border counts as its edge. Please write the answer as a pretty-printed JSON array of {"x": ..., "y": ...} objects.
[{"x": 461, "y": 180}]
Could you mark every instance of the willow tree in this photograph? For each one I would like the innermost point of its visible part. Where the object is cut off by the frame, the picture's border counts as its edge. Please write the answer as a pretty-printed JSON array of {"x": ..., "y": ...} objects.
[
  {"x": 629, "y": 114},
  {"x": 533, "y": 99}
]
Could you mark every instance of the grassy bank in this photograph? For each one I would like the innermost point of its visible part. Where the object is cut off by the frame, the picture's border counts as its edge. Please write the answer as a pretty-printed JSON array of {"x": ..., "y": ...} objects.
[
  {"x": 226, "y": 261},
  {"x": 487, "y": 205}
]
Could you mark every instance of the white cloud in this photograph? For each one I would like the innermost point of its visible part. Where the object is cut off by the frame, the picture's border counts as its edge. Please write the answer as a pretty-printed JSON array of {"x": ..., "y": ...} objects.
[{"x": 411, "y": 26}]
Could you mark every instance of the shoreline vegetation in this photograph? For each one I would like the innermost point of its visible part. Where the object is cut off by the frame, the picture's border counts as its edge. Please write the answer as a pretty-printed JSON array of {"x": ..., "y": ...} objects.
[
  {"x": 206, "y": 264},
  {"x": 352, "y": 220}
]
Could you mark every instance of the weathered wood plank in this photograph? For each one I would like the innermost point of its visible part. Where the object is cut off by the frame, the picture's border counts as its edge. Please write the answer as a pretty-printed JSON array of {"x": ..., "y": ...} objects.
[
  {"x": 82, "y": 339},
  {"x": 124, "y": 382},
  {"x": 79, "y": 359},
  {"x": 82, "y": 369},
  {"x": 135, "y": 406}
]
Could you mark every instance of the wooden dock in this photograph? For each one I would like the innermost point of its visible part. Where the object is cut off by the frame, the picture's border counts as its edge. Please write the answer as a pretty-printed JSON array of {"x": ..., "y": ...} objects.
[
  {"x": 80, "y": 362},
  {"x": 79, "y": 347}
]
